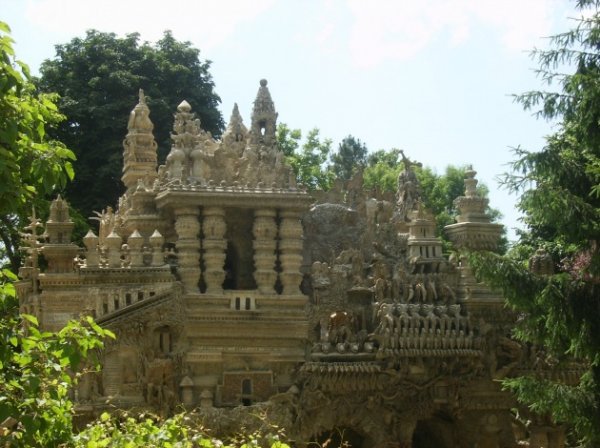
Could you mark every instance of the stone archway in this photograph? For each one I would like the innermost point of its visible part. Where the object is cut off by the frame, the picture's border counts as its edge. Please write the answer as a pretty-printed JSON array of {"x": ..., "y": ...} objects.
[{"x": 436, "y": 432}]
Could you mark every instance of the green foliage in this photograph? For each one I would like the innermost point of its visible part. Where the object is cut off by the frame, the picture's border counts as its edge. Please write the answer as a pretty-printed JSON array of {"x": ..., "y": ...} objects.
[
  {"x": 32, "y": 164},
  {"x": 309, "y": 160},
  {"x": 150, "y": 431},
  {"x": 559, "y": 313},
  {"x": 559, "y": 188},
  {"x": 36, "y": 373},
  {"x": 351, "y": 156},
  {"x": 438, "y": 190},
  {"x": 98, "y": 78},
  {"x": 382, "y": 170}
]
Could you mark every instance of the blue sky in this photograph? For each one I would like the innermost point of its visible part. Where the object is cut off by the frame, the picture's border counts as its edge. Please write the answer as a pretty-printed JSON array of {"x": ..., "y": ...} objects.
[{"x": 433, "y": 77}]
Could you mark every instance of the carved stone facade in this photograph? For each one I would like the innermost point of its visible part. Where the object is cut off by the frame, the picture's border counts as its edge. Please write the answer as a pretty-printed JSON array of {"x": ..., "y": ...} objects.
[{"x": 230, "y": 289}]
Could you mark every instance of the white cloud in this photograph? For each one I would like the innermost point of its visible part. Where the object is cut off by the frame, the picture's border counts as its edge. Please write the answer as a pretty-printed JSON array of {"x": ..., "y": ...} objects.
[
  {"x": 399, "y": 29},
  {"x": 206, "y": 23}
]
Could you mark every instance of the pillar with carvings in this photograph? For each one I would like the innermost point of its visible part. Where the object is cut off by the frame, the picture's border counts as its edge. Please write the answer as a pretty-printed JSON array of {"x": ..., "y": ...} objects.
[
  {"x": 265, "y": 245},
  {"x": 290, "y": 247},
  {"x": 214, "y": 245},
  {"x": 187, "y": 227}
]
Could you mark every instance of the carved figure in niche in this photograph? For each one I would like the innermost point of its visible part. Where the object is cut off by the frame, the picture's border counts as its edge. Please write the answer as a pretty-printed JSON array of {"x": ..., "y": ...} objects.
[
  {"x": 402, "y": 320},
  {"x": 430, "y": 319},
  {"x": 408, "y": 292},
  {"x": 385, "y": 316},
  {"x": 415, "y": 319},
  {"x": 385, "y": 339},
  {"x": 380, "y": 289},
  {"x": 342, "y": 327},
  {"x": 443, "y": 319},
  {"x": 320, "y": 277},
  {"x": 431, "y": 289},
  {"x": 447, "y": 294},
  {"x": 200, "y": 164},
  {"x": 420, "y": 291},
  {"x": 454, "y": 313},
  {"x": 507, "y": 355}
]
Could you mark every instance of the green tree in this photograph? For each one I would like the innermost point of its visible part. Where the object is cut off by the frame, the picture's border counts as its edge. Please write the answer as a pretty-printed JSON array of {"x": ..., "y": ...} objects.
[
  {"x": 350, "y": 156},
  {"x": 438, "y": 190},
  {"x": 32, "y": 164},
  {"x": 309, "y": 159},
  {"x": 98, "y": 78},
  {"x": 35, "y": 366},
  {"x": 560, "y": 200}
]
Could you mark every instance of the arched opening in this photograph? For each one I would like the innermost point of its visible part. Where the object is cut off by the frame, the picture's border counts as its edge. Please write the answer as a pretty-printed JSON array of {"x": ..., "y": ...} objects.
[
  {"x": 341, "y": 437},
  {"x": 246, "y": 395},
  {"x": 239, "y": 257},
  {"x": 436, "y": 431},
  {"x": 163, "y": 340}
]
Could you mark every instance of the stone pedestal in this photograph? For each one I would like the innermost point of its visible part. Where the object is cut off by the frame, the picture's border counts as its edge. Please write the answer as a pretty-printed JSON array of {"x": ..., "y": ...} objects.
[
  {"x": 214, "y": 246},
  {"x": 92, "y": 258},
  {"x": 135, "y": 243},
  {"x": 113, "y": 246},
  {"x": 290, "y": 247},
  {"x": 265, "y": 244},
  {"x": 156, "y": 242},
  {"x": 187, "y": 227}
]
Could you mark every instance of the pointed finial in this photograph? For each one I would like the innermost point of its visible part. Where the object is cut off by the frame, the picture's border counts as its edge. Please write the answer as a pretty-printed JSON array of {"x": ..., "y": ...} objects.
[
  {"x": 142, "y": 96},
  {"x": 184, "y": 106}
]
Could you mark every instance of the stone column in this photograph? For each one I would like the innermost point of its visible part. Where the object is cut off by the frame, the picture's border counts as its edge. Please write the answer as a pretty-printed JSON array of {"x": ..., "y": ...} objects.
[
  {"x": 290, "y": 247},
  {"x": 187, "y": 227},
  {"x": 214, "y": 245},
  {"x": 265, "y": 244}
]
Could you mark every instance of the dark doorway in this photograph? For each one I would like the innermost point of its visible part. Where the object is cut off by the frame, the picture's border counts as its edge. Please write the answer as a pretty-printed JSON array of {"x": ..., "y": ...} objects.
[
  {"x": 434, "y": 432},
  {"x": 239, "y": 258}
]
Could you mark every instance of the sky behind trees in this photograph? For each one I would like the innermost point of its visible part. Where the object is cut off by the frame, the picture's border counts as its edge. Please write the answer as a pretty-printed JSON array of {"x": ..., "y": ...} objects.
[{"x": 433, "y": 77}]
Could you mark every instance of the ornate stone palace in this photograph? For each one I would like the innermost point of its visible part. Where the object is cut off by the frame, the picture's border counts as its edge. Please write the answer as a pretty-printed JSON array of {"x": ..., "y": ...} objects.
[{"x": 231, "y": 291}]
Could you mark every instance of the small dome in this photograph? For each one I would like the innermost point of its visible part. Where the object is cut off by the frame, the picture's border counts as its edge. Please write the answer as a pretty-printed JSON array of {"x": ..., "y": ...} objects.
[{"x": 184, "y": 106}]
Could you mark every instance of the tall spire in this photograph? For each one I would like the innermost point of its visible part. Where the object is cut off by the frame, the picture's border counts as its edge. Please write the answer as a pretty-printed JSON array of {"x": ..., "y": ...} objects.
[
  {"x": 264, "y": 117},
  {"x": 139, "y": 155},
  {"x": 236, "y": 131}
]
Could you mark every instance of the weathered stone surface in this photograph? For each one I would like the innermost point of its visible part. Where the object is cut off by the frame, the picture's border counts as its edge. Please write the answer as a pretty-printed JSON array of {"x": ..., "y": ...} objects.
[{"x": 198, "y": 272}]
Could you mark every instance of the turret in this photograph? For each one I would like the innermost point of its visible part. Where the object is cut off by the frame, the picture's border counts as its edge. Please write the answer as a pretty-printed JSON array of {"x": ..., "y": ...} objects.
[
  {"x": 424, "y": 248},
  {"x": 139, "y": 155},
  {"x": 236, "y": 132},
  {"x": 474, "y": 229},
  {"x": 264, "y": 117},
  {"x": 59, "y": 251},
  {"x": 186, "y": 138}
]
